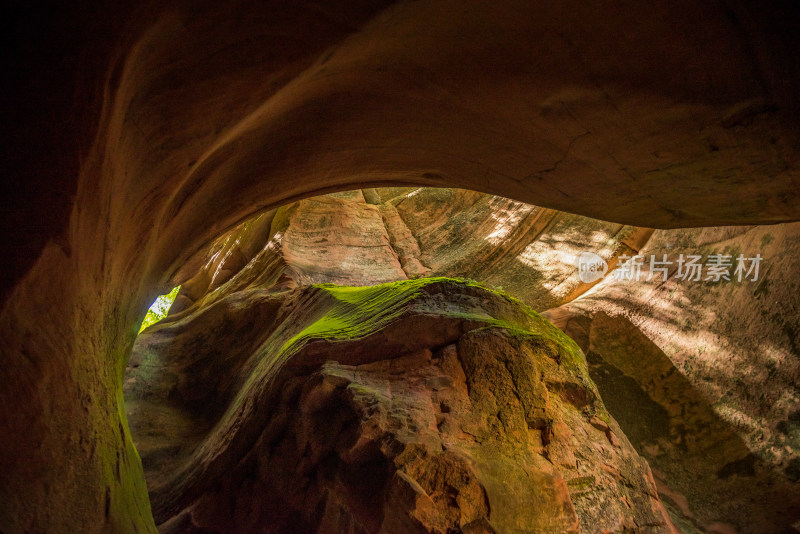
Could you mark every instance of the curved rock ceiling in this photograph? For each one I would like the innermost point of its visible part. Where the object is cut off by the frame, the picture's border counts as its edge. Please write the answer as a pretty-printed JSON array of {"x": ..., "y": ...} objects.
[
  {"x": 663, "y": 115},
  {"x": 139, "y": 133}
]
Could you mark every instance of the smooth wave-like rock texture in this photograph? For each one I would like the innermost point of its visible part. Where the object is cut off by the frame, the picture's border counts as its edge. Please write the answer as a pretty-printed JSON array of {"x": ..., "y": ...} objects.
[
  {"x": 138, "y": 132},
  {"x": 702, "y": 374},
  {"x": 417, "y": 406}
]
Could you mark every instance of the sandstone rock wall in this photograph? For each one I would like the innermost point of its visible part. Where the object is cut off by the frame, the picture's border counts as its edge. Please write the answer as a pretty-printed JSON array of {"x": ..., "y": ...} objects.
[
  {"x": 704, "y": 375},
  {"x": 407, "y": 233},
  {"x": 162, "y": 125},
  {"x": 420, "y": 406}
]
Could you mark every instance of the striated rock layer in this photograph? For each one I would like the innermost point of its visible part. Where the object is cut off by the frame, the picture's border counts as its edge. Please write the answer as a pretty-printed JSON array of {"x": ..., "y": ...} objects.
[
  {"x": 420, "y": 406},
  {"x": 703, "y": 376},
  {"x": 371, "y": 236}
]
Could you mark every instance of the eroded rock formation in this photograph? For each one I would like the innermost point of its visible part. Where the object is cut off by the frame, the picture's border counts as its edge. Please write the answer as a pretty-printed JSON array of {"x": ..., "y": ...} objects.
[
  {"x": 420, "y": 406},
  {"x": 712, "y": 371},
  {"x": 138, "y": 133},
  {"x": 725, "y": 450},
  {"x": 378, "y": 235},
  {"x": 673, "y": 358}
]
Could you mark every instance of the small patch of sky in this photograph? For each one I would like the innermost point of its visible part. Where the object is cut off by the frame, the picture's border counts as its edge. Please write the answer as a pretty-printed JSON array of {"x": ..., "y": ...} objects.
[{"x": 159, "y": 308}]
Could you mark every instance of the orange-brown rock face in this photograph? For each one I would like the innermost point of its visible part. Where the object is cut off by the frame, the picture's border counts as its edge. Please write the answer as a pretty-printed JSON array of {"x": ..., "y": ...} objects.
[
  {"x": 400, "y": 233},
  {"x": 680, "y": 362},
  {"x": 423, "y": 406},
  {"x": 140, "y": 133},
  {"x": 703, "y": 375},
  {"x": 675, "y": 114},
  {"x": 526, "y": 250}
]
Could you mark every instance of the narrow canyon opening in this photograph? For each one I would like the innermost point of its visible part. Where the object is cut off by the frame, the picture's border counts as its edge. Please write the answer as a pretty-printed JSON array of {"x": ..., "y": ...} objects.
[{"x": 370, "y": 361}]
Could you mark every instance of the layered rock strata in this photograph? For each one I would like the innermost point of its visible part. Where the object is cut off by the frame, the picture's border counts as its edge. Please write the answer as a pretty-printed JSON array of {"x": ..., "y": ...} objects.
[{"x": 372, "y": 236}]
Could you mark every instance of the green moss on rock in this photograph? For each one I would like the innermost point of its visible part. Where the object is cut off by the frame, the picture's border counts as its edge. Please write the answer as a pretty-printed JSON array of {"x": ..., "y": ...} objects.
[{"x": 355, "y": 312}]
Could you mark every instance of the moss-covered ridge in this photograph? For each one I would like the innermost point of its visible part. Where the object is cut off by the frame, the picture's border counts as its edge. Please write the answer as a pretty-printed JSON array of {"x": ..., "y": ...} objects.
[
  {"x": 355, "y": 326},
  {"x": 356, "y": 312}
]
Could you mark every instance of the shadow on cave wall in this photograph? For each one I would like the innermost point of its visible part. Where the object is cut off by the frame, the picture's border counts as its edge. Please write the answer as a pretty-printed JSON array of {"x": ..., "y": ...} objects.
[{"x": 702, "y": 466}]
